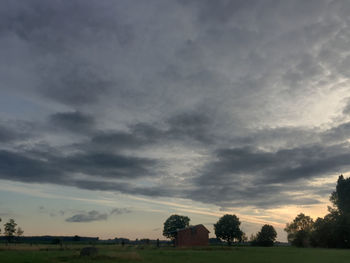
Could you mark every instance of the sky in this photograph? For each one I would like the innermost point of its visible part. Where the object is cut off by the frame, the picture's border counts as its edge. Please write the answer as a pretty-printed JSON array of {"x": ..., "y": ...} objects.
[{"x": 116, "y": 114}]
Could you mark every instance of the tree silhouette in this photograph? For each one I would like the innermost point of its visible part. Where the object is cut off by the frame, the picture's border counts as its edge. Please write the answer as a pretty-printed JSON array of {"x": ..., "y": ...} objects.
[
  {"x": 173, "y": 223},
  {"x": 267, "y": 236},
  {"x": 324, "y": 231},
  {"x": 334, "y": 229},
  {"x": 341, "y": 196},
  {"x": 10, "y": 229},
  {"x": 299, "y": 231},
  {"x": 227, "y": 228}
]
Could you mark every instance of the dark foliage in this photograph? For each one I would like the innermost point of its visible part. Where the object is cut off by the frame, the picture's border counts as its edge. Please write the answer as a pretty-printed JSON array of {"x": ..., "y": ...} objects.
[
  {"x": 227, "y": 228},
  {"x": 341, "y": 196},
  {"x": 266, "y": 237},
  {"x": 173, "y": 223},
  {"x": 299, "y": 231},
  {"x": 10, "y": 230},
  {"x": 332, "y": 231}
]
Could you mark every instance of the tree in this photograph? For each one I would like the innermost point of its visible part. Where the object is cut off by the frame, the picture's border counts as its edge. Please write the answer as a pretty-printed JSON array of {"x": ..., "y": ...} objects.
[
  {"x": 0, "y": 228},
  {"x": 324, "y": 233},
  {"x": 267, "y": 236},
  {"x": 341, "y": 196},
  {"x": 299, "y": 231},
  {"x": 173, "y": 223},
  {"x": 334, "y": 229},
  {"x": 331, "y": 231},
  {"x": 227, "y": 228},
  {"x": 10, "y": 229}
]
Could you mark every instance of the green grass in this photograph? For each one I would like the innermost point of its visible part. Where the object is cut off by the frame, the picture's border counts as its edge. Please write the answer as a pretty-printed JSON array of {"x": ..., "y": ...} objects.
[{"x": 38, "y": 254}]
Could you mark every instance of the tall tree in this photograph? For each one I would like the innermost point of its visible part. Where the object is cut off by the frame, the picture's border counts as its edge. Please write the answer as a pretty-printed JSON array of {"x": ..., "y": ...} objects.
[
  {"x": 339, "y": 217},
  {"x": 227, "y": 228},
  {"x": 341, "y": 196},
  {"x": 267, "y": 236},
  {"x": 299, "y": 231},
  {"x": 10, "y": 229},
  {"x": 173, "y": 223},
  {"x": 331, "y": 231}
]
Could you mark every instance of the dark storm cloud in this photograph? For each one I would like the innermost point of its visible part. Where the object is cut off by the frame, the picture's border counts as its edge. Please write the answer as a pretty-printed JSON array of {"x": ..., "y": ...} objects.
[
  {"x": 73, "y": 121},
  {"x": 15, "y": 131},
  {"x": 118, "y": 140},
  {"x": 221, "y": 10},
  {"x": 59, "y": 169},
  {"x": 276, "y": 167},
  {"x": 44, "y": 24},
  {"x": 246, "y": 176},
  {"x": 222, "y": 178},
  {"x": 242, "y": 194},
  {"x": 193, "y": 125},
  {"x": 77, "y": 85},
  {"x": 225, "y": 178},
  {"x": 108, "y": 165},
  {"x": 7, "y": 135},
  {"x": 87, "y": 217},
  {"x": 185, "y": 128},
  {"x": 338, "y": 133},
  {"x": 19, "y": 167},
  {"x": 54, "y": 32},
  {"x": 233, "y": 82}
]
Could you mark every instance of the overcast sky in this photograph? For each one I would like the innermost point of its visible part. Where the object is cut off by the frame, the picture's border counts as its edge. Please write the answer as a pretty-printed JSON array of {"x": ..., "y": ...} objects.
[{"x": 116, "y": 112}]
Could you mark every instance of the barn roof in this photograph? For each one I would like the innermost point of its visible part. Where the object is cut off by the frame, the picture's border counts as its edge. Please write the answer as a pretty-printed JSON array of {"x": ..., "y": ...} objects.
[{"x": 192, "y": 227}]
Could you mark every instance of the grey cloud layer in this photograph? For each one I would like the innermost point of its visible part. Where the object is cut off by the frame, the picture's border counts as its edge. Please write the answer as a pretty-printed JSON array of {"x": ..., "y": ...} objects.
[
  {"x": 54, "y": 169},
  {"x": 73, "y": 121},
  {"x": 125, "y": 84},
  {"x": 245, "y": 176},
  {"x": 90, "y": 216},
  {"x": 87, "y": 217},
  {"x": 233, "y": 175}
]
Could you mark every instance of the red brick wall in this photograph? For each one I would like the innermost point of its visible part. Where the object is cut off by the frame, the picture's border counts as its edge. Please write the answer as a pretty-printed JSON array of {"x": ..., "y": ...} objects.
[{"x": 196, "y": 236}]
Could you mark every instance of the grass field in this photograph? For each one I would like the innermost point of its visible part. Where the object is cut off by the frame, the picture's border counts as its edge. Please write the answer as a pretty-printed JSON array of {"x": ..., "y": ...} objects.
[{"x": 114, "y": 253}]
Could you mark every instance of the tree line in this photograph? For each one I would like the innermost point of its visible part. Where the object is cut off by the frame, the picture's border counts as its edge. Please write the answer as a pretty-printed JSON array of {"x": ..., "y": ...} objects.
[
  {"x": 331, "y": 231},
  {"x": 11, "y": 231},
  {"x": 227, "y": 229}
]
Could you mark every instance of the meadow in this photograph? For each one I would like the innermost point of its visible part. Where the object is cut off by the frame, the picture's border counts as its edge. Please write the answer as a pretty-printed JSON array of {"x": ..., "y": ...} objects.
[{"x": 116, "y": 253}]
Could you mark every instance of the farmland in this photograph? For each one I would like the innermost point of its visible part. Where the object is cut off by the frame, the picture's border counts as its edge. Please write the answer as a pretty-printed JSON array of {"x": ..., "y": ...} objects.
[{"x": 116, "y": 253}]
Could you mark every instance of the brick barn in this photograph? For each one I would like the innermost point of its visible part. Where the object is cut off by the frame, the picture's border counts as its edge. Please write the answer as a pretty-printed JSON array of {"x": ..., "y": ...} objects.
[{"x": 192, "y": 236}]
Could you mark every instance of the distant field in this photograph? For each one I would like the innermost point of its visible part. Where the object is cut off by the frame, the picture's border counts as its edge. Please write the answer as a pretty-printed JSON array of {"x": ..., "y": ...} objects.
[{"x": 114, "y": 253}]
